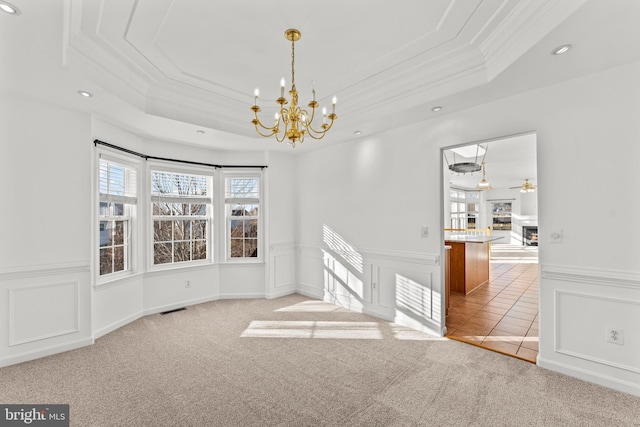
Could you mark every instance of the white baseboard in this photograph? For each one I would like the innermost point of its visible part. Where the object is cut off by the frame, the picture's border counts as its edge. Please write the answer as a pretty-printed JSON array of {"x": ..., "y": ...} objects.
[
  {"x": 281, "y": 292},
  {"x": 116, "y": 325},
  {"x": 173, "y": 306},
  {"x": 43, "y": 352},
  {"x": 309, "y": 291},
  {"x": 590, "y": 376}
]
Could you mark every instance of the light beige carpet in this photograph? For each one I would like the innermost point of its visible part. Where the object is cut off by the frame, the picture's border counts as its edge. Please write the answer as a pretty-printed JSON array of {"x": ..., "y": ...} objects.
[{"x": 294, "y": 361}]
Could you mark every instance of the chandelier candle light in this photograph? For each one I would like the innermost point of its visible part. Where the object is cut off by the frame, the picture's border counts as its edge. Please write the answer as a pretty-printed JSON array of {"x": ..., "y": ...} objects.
[{"x": 293, "y": 122}]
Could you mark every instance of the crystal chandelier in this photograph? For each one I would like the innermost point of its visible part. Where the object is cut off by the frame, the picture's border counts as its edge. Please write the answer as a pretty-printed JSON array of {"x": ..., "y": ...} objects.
[{"x": 293, "y": 122}]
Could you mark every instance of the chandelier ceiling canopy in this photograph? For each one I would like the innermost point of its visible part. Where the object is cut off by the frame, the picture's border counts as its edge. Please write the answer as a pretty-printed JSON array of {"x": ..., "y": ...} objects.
[{"x": 292, "y": 122}]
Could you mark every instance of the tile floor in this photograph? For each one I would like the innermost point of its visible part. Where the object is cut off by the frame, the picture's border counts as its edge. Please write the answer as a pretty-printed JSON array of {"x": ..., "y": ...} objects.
[{"x": 501, "y": 315}]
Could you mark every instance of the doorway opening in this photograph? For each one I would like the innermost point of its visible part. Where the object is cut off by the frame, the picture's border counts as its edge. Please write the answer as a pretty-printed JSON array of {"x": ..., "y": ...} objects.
[{"x": 490, "y": 222}]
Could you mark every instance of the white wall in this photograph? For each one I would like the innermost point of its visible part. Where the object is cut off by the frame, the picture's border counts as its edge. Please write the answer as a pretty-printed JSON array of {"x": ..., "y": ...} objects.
[
  {"x": 45, "y": 164},
  {"x": 375, "y": 192},
  {"x": 361, "y": 208}
]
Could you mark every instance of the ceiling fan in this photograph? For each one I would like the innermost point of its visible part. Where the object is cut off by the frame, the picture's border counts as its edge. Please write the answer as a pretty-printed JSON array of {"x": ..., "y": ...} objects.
[{"x": 527, "y": 187}]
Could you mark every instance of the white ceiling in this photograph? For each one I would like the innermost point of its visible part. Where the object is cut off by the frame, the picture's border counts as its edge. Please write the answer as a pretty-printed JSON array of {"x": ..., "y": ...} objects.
[{"x": 166, "y": 68}]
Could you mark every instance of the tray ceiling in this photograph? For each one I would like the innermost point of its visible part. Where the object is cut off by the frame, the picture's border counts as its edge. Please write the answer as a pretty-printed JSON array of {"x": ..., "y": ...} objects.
[{"x": 199, "y": 61}]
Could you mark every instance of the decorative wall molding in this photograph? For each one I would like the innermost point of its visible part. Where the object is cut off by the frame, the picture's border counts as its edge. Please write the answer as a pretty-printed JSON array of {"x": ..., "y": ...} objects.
[
  {"x": 558, "y": 345},
  {"x": 22, "y": 333},
  {"x": 404, "y": 256},
  {"x": 622, "y": 279},
  {"x": 36, "y": 270}
]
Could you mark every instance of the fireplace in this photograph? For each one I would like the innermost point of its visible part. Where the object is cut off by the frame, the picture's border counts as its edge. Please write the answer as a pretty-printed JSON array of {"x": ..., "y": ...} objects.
[{"x": 529, "y": 235}]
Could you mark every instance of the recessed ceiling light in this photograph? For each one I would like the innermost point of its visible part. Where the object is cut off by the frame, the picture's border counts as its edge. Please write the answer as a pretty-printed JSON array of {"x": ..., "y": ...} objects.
[
  {"x": 201, "y": 132},
  {"x": 358, "y": 132},
  {"x": 85, "y": 93},
  {"x": 561, "y": 49},
  {"x": 9, "y": 8},
  {"x": 436, "y": 109}
]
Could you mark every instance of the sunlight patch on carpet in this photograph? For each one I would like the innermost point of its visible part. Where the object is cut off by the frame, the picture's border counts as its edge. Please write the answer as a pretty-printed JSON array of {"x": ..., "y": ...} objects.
[
  {"x": 311, "y": 307},
  {"x": 312, "y": 329}
]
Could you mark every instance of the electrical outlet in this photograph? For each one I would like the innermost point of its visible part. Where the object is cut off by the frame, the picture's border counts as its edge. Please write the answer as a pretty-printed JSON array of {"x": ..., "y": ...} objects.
[
  {"x": 615, "y": 335},
  {"x": 424, "y": 232},
  {"x": 187, "y": 284}
]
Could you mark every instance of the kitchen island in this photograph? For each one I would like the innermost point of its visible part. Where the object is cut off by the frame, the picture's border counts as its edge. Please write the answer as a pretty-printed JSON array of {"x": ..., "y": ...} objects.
[{"x": 469, "y": 261}]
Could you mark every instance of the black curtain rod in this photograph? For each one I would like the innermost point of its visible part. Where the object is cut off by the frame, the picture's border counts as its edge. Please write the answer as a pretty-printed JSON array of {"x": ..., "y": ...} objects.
[{"x": 189, "y": 162}]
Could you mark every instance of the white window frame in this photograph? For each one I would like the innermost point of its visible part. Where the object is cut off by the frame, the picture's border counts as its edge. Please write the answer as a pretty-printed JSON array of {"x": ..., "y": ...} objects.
[
  {"x": 461, "y": 216},
  {"x": 209, "y": 175},
  {"x": 130, "y": 217},
  {"x": 258, "y": 201}
]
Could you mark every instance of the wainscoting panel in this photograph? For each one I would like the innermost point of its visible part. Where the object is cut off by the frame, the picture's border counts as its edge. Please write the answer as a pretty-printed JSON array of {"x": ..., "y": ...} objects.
[
  {"x": 282, "y": 270},
  {"x": 578, "y": 309},
  {"x": 48, "y": 310},
  {"x": 41, "y": 312},
  {"x": 579, "y": 314}
]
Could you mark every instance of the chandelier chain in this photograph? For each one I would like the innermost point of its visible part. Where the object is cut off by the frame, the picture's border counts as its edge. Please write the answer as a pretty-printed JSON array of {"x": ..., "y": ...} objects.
[{"x": 293, "y": 64}]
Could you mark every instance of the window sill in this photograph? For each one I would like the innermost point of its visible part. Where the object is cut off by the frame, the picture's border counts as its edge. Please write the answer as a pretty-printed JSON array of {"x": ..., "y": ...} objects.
[
  {"x": 242, "y": 262},
  {"x": 115, "y": 281},
  {"x": 164, "y": 269}
]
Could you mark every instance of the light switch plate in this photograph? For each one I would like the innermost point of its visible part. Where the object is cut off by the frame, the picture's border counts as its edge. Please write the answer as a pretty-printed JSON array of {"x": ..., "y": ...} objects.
[{"x": 555, "y": 236}]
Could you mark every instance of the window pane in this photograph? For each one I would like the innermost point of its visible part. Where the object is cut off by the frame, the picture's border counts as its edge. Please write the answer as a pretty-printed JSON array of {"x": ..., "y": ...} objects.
[
  {"x": 178, "y": 184},
  {"x": 118, "y": 233},
  {"x": 237, "y": 248},
  {"x": 118, "y": 258},
  {"x": 242, "y": 188},
  {"x": 199, "y": 250},
  {"x": 199, "y": 229},
  {"x": 454, "y": 207},
  {"x": 473, "y": 195},
  {"x": 251, "y": 228},
  {"x": 181, "y": 251},
  {"x": 237, "y": 229},
  {"x": 106, "y": 233},
  {"x": 237, "y": 210},
  {"x": 106, "y": 261},
  {"x": 180, "y": 208},
  {"x": 161, "y": 209},
  {"x": 162, "y": 231},
  {"x": 251, "y": 248},
  {"x": 162, "y": 253},
  {"x": 180, "y": 230},
  {"x": 104, "y": 209},
  {"x": 118, "y": 209},
  {"x": 251, "y": 210},
  {"x": 198, "y": 209}
]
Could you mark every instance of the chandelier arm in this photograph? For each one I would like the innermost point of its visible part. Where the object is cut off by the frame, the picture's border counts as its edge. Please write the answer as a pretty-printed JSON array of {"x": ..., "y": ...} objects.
[
  {"x": 266, "y": 135},
  {"x": 257, "y": 123},
  {"x": 325, "y": 129},
  {"x": 317, "y": 137}
]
